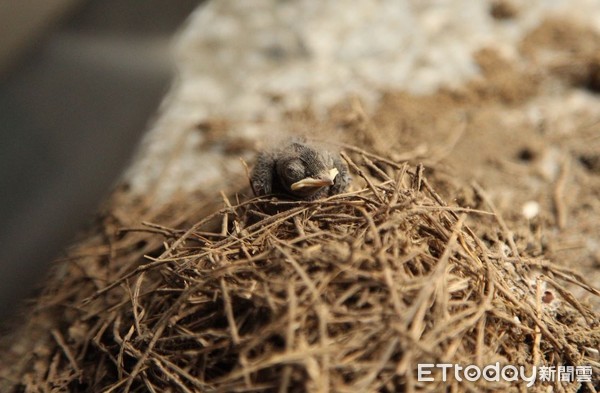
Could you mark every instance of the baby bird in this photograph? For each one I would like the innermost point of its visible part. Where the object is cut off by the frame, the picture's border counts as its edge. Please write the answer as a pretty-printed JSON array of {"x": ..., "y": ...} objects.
[{"x": 300, "y": 171}]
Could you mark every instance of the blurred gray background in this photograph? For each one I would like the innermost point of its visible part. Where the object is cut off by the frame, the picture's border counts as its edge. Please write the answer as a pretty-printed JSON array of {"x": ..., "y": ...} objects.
[{"x": 79, "y": 81}]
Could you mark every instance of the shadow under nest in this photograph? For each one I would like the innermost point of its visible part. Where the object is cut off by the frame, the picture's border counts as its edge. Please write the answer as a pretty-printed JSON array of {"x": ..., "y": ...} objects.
[{"x": 345, "y": 294}]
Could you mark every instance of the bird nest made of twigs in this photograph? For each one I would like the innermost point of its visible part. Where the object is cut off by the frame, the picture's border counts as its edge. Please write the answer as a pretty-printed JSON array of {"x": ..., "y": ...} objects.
[{"x": 348, "y": 294}]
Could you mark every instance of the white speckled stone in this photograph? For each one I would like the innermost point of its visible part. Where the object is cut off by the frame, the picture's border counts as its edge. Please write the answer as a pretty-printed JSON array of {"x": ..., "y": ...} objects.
[{"x": 233, "y": 56}]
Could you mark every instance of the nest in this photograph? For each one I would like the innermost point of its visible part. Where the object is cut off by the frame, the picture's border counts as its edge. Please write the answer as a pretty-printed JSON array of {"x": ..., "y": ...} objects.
[{"x": 345, "y": 294}]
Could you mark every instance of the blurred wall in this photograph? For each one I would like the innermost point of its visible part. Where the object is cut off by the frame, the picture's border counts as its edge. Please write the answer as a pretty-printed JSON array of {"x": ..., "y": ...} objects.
[{"x": 22, "y": 22}]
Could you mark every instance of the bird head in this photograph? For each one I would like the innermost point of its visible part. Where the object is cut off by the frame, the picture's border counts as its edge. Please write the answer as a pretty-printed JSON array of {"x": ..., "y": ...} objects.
[{"x": 305, "y": 171}]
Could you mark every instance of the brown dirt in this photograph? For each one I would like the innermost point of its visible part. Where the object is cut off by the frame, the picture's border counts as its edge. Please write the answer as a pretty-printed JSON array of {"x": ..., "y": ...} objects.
[
  {"x": 217, "y": 313},
  {"x": 488, "y": 132},
  {"x": 503, "y": 9}
]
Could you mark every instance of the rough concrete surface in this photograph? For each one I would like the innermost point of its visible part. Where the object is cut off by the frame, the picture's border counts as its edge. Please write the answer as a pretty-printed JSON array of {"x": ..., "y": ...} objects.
[{"x": 251, "y": 62}]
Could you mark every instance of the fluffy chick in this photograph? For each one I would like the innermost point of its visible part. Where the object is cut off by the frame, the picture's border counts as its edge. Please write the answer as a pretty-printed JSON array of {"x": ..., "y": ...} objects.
[{"x": 300, "y": 171}]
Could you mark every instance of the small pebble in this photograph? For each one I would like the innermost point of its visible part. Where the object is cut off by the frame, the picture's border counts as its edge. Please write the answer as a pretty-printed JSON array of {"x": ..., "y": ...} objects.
[{"x": 530, "y": 209}]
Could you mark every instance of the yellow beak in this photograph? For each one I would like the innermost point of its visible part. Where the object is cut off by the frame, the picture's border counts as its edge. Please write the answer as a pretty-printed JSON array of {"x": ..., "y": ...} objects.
[{"x": 322, "y": 181}]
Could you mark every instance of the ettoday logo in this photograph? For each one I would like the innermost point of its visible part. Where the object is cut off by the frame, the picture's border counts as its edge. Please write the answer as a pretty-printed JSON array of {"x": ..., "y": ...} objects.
[{"x": 508, "y": 373}]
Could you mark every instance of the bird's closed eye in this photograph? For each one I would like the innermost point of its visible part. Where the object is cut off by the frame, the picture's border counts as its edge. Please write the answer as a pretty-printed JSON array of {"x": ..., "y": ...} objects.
[{"x": 294, "y": 170}]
